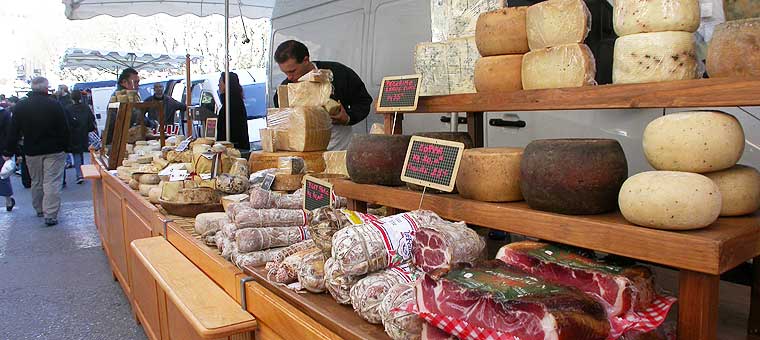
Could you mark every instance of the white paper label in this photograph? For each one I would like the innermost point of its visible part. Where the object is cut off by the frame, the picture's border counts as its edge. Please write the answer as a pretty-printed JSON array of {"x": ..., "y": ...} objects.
[
  {"x": 397, "y": 233},
  {"x": 179, "y": 175}
]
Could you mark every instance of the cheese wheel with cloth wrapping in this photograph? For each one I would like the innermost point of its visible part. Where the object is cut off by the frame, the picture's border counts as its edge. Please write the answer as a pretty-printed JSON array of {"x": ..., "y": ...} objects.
[
  {"x": 498, "y": 73},
  {"x": 557, "y": 22},
  {"x": 570, "y": 65},
  {"x": 643, "y": 16},
  {"x": 739, "y": 189},
  {"x": 734, "y": 50},
  {"x": 502, "y": 168},
  {"x": 502, "y": 32},
  {"x": 654, "y": 57}
]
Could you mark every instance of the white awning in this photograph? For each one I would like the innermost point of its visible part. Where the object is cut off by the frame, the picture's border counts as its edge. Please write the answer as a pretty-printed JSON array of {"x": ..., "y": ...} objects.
[
  {"x": 114, "y": 61},
  {"x": 86, "y": 9}
]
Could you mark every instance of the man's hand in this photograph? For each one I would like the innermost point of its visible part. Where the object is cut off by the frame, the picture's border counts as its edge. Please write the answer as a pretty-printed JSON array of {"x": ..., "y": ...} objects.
[{"x": 341, "y": 117}]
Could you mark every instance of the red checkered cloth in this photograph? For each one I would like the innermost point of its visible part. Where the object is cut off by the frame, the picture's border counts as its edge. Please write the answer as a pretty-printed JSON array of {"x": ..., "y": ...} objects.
[{"x": 644, "y": 321}]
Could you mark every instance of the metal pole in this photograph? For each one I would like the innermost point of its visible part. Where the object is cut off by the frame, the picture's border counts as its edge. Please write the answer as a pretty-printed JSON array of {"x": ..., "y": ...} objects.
[
  {"x": 188, "y": 100},
  {"x": 227, "y": 66}
]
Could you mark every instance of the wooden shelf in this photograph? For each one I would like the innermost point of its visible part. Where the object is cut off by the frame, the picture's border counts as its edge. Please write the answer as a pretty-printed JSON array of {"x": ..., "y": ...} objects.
[
  {"x": 713, "y": 250},
  {"x": 716, "y": 92},
  {"x": 340, "y": 319}
]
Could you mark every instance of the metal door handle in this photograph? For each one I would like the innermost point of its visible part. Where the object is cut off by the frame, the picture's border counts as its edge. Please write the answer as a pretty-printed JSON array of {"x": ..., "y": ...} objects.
[
  {"x": 506, "y": 123},
  {"x": 447, "y": 119}
]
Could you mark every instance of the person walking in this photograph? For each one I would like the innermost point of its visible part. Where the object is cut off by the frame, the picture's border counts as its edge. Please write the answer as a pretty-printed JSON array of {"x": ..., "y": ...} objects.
[
  {"x": 41, "y": 121},
  {"x": 81, "y": 123},
  {"x": 238, "y": 115},
  {"x": 6, "y": 190}
]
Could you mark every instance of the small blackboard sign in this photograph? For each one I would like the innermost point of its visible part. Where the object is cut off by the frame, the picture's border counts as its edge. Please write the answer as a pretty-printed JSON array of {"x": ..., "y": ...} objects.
[
  {"x": 184, "y": 144},
  {"x": 433, "y": 163},
  {"x": 268, "y": 181},
  {"x": 318, "y": 193},
  {"x": 399, "y": 94},
  {"x": 211, "y": 128}
]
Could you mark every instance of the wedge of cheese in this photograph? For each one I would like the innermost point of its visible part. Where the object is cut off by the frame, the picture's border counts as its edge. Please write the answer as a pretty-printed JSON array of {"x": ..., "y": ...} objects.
[
  {"x": 557, "y": 22},
  {"x": 643, "y": 16},
  {"x": 654, "y": 57},
  {"x": 570, "y": 65}
]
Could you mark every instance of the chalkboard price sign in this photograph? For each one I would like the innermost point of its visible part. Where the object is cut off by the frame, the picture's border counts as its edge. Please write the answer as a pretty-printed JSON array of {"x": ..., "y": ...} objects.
[
  {"x": 433, "y": 163},
  {"x": 318, "y": 193},
  {"x": 399, "y": 94},
  {"x": 211, "y": 128}
]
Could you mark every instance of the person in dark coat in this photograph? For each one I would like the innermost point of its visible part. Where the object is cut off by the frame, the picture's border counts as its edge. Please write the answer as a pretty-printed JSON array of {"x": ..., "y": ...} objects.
[
  {"x": 6, "y": 190},
  {"x": 171, "y": 106},
  {"x": 81, "y": 122},
  {"x": 238, "y": 115}
]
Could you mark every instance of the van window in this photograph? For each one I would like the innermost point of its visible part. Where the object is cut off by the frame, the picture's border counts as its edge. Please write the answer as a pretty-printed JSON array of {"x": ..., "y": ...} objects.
[{"x": 254, "y": 97}]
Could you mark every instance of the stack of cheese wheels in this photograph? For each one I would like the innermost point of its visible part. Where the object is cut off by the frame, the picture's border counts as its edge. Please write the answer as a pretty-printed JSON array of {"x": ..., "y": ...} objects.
[
  {"x": 556, "y": 30},
  {"x": 697, "y": 180},
  {"x": 501, "y": 40},
  {"x": 656, "y": 40}
]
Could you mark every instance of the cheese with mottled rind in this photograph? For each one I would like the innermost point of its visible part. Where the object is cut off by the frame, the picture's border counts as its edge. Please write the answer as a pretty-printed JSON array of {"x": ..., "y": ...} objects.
[
  {"x": 670, "y": 200},
  {"x": 734, "y": 50},
  {"x": 557, "y": 22},
  {"x": 570, "y": 65},
  {"x": 695, "y": 141},
  {"x": 643, "y": 16},
  {"x": 502, "y": 32},
  {"x": 498, "y": 73},
  {"x": 739, "y": 188},
  {"x": 501, "y": 167},
  {"x": 654, "y": 57}
]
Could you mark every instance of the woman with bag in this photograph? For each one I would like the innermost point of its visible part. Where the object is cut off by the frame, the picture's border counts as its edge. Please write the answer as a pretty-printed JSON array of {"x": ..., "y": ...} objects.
[{"x": 6, "y": 190}]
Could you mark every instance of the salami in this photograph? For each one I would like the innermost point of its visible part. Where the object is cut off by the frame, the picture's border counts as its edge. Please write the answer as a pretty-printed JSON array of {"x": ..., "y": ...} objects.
[
  {"x": 368, "y": 293},
  {"x": 287, "y": 271},
  {"x": 210, "y": 221},
  {"x": 440, "y": 245},
  {"x": 265, "y": 199},
  {"x": 326, "y": 221},
  {"x": 262, "y": 218},
  {"x": 400, "y": 324},
  {"x": 256, "y": 258},
  {"x": 338, "y": 283},
  {"x": 253, "y": 239},
  {"x": 311, "y": 274}
]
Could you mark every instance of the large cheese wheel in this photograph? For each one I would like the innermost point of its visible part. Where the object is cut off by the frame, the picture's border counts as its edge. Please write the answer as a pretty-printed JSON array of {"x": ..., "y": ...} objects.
[
  {"x": 570, "y": 65},
  {"x": 697, "y": 141},
  {"x": 269, "y": 160},
  {"x": 151, "y": 179},
  {"x": 460, "y": 137},
  {"x": 654, "y": 57},
  {"x": 498, "y": 73},
  {"x": 739, "y": 188},
  {"x": 643, "y": 16},
  {"x": 557, "y": 22},
  {"x": 490, "y": 174},
  {"x": 573, "y": 176},
  {"x": 670, "y": 200},
  {"x": 734, "y": 50},
  {"x": 145, "y": 189},
  {"x": 197, "y": 196},
  {"x": 377, "y": 159},
  {"x": 502, "y": 32}
]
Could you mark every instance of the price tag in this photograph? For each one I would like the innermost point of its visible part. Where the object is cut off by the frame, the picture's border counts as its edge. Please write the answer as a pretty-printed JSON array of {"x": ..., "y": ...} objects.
[
  {"x": 211, "y": 128},
  {"x": 205, "y": 176},
  {"x": 183, "y": 145},
  {"x": 169, "y": 169},
  {"x": 433, "y": 163},
  {"x": 178, "y": 175},
  {"x": 317, "y": 193},
  {"x": 399, "y": 94},
  {"x": 267, "y": 183}
]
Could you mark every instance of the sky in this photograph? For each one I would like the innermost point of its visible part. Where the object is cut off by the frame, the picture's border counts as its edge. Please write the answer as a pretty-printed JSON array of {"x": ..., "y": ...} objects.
[{"x": 35, "y": 33}]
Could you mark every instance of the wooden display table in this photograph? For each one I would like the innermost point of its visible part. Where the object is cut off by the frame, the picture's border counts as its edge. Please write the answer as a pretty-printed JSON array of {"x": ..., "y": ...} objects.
[{"x": 700, "y": 255}]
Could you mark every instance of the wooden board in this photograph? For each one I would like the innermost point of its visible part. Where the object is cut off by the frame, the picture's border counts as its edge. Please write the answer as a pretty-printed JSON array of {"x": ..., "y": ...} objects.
[
  {"x": 714, "y": 92},
  {"x": 713, "y": 250},
  {"x": 342, "y": 320},
  {"x": 90, "y": 171}
]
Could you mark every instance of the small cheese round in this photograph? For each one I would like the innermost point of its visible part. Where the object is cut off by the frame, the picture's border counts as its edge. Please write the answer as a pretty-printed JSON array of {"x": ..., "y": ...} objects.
[
  {"x": 151, "y": 179},
  {"x": 654, "y": 57},
  {"x": 734, "y": 50},
  {"x": 671, "y": 200},
  {"x": 498, "y": 73},
  {"x": 145, "y": 189},
  {"x": 490, "y": 174},
  {"x": 642, "y": 16},
  {"x": 502, "y": 32},
  {"x": 740, "y": 189},
  {"x": 154, "y": 195},
  {"x": 134, "y": 184},
  {"x": 697, "y": 141}
]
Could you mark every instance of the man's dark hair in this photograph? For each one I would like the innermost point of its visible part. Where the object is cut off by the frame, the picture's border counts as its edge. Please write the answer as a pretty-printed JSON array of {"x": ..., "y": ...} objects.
[
  {"x": 76, "y": 96},
  {"x": 125, "y": 75},
  {"x": 291, "y": 49}
]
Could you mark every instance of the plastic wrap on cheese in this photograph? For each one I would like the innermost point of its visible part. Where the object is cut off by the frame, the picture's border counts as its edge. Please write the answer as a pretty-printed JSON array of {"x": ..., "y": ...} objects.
[
  {"x": 557, "y": 22},
  {"x": 452, "y": 19},
  {"x": 335, "y": 162},
  {"x": 642, "y": 16},
  {"x": 308, "y": 129},
  {"x": 307, "y": 93},
  {"x": 654, "y": 57},
  {"x": 570, "y": 65}
]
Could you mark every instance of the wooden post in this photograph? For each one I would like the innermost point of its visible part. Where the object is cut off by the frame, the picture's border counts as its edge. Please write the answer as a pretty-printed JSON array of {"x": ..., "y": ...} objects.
[
  {"x": 161, "y": 123},
  {"x": 475, "y": 128},
  {"x": 188, "y": 97},
  {"x": 388, "y": 122},
  {"x": 753, "y": 326},
  {"x": 357, "y": 205},
  {"x": 697, "y": 306}
]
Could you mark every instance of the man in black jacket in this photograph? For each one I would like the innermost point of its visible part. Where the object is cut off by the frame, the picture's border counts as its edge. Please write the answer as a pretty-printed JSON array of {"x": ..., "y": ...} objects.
[
  {"x": 171, "y": 106},
  {"x": 293, "y": 59},
  {"x": 41, "y": 121}
]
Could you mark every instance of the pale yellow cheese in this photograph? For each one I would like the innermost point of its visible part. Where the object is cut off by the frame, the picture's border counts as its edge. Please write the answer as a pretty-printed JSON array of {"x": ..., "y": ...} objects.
[
  {"x": 734, "y": 50},
  {"x": 654, "y": 57},
  {"x": 697, "y": 141},
  {"x": 229, "y": 199},
  {"x": 151, "y": 179},
  {"x": 239, "y": 167},
  {"x": 154, "y": 195},
  {"x": 145, "y": 189},
  {"x": 670, "y": 200},
  {"x": 335, "y": 162},
  {"x": 501, "y": 168},
  {"x": 498, "y": 73},
  {"x": 739, "y": 188},
  {"x": 642, "y": 16},
  {"x": 170, "y": 190},
  {"x": 309, "y": 129},
  {"x": 570, "y": 65},
  {"x": 557, "y": 22},
  {"x": 502, "y": 32},
  {"x": 308, "y": 93},
  {"x": 197, "y": 196},
  {"x": 210, "y": 221}
]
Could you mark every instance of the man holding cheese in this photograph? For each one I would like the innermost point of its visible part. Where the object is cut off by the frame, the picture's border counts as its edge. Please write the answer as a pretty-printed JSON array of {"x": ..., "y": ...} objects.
[{"x": 348, "y": 89}]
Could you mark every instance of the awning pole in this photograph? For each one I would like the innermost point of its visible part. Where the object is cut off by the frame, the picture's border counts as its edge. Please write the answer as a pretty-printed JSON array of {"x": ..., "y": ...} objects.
[
  {"x": 188, "y": 101},
  {"x": 227, "y": 66}
]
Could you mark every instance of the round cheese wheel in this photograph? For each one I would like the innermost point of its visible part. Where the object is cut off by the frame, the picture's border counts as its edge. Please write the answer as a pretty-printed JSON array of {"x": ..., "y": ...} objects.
[
  {"x": 197, "y": 196},
  {"x": 739, "y": 188},
  {"x": 231, "y": 184},
  {"x": 144, "y": 159},
  {"x": 734, "y": 50},
  {"x": 498, "y": 73},
  {"x": 490, "y": 174},
  {"x": 557, "y": 22},
  {"x": 154, "y": 195},
  {"x": 698, "y": 141},
  {"x": 573, "y": 176},
  {"x": 637, "y": 16},
  {"x": 377, "y": 159},
  {"x": 145, "y": 189},
  {"x": 670, "y": 200},
  {"x": 151, "y": 179},
  {"x": 502, "y": 32},
  {"x": 569, "y": 65},
  {"x": 654, "y": 57},
  {"x": 134, "y": 184}
]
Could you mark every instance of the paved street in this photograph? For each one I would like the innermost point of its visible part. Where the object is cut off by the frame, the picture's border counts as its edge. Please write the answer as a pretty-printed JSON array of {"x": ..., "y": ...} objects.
[{"x": 55, "y": 283}]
